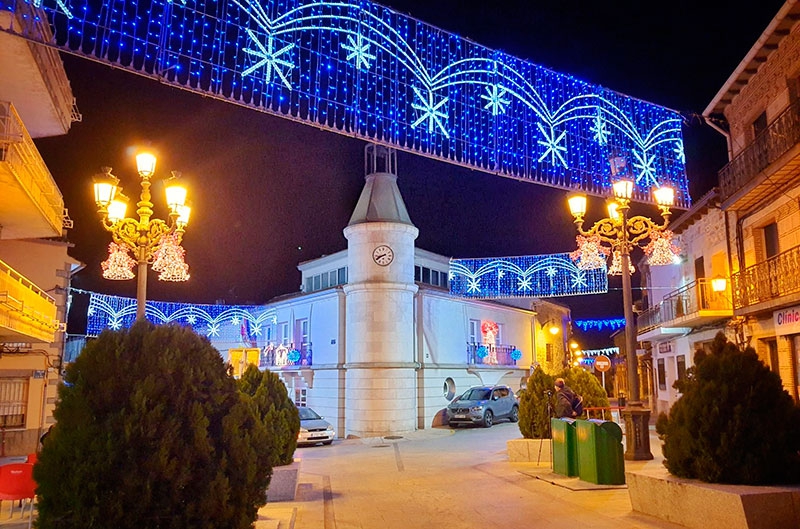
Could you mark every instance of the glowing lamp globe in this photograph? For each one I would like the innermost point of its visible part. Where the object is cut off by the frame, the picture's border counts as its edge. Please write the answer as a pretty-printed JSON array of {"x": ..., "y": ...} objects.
[
  {"x": 577, "y": 205},
  {"x": 146, "y": 164},
  {"x": 105, "y": 187},
  {"x": 665, "y": 196},
  {"x": 183, "y": 215},
  {"x": 623, "y": 188},
  {"x": 176, "y": 195},
  {"x": 117, "y": 208},
  {"x": 719, "y": 284}
]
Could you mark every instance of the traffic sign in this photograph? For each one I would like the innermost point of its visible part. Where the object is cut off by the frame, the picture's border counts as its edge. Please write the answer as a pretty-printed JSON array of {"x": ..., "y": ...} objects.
[{"x": 602, "y": 363}]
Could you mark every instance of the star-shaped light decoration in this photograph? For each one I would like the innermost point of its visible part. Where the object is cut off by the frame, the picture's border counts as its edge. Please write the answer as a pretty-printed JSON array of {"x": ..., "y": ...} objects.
[
  {"x": 552, "y": 145},
  {"x": 501, "y": 274},
  {"x": 359, "y": 50},
  {"x": 430, "y": 111},
  {"x": 270, "y": 58},
  {"x": 235, "y": 320},
  {"x": 647, "y": 173},
  {"x": 61, "y": 4},
  {"x": 474, "y": 284},
  {"x": 523, "y": 283},
  {"x": 213, "y": 329},
  {"x": 495, "y": 100},
  {"x": 192, "y": 319},
  {"x": 598, "y": 128},
  {"x": 256, "y": 330},
  {"x": 680, "y": 154},
  {"x": 579, "y": 279},
  {"x": 551, "y": 272},
  {"x": 115, "y": 324}
]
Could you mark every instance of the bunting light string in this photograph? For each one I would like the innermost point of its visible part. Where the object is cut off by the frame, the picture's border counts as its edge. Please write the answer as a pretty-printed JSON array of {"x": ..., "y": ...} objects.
[
  {"x": 612, "y": 324},
  {"x": 608, "y": 351},
  {"x": 361, "y": 69}
]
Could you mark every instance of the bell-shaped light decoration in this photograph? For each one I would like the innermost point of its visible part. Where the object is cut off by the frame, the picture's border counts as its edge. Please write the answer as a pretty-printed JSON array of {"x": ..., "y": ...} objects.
[
  {"x": 616, "y": 264},
  {"x": 175, "y": 191},
  {"x": 590, "y": 255},
  {"x": 105, "y": 187},
  {"x": 168, "y": 259},
  {"x": 623, "y": 188},
  {"x": 577, "y": 205},
  {"x": 117, "y": 208},
  {"x": 660, "y": 250},
  {"x": 146, "y": 164},
  {"x": 119, "y": 265}
]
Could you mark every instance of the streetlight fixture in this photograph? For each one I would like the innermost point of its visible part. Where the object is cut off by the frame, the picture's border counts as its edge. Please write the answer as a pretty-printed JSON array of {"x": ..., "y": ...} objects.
[
  {"x": 153, "y": 241},
  {"x": 618, "y": 234}
]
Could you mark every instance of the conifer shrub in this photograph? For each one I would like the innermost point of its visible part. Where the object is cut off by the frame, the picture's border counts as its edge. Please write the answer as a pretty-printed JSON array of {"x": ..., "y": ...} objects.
[
  {"x": 534, "y": 418},
  {"x": 151, "y": 432},
  {"x": 589, "y": 387},
  {"x": 276, "y": 410},
  {"x": 734, "y": 422}
]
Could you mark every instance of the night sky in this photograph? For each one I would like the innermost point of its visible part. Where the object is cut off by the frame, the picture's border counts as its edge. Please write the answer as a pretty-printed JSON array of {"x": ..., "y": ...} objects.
[{"x": 268, "y": 193}]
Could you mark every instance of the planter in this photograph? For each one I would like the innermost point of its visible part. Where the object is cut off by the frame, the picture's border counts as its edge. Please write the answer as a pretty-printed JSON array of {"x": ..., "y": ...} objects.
[
  {"x": 692, "y": 503},
  {"x": 283, "y": 485},
  {"x": 529, "y": 450}
]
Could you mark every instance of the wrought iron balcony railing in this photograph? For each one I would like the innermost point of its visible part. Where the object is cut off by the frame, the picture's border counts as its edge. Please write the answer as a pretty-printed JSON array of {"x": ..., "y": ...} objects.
[
  {"x": 286, "y": 355},
  {"x": 487, "y": 354},
  {"x": 691, "y": 301},
  {"x": 773, "y": 142},
  {"x": 768, "y": 280}
]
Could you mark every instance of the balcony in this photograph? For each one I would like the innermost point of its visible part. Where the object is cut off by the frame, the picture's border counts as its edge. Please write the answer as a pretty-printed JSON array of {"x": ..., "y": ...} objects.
[
  {"x": 33, "y": 74},
  {"x": 767, "y": 285},
  {"x": 286, "y": 356},
  {"x": 769, "y": 163},
  {"x": 490, "y": 355},
  {"x": 692, "y": 305},
  {"x": 27, "y": 314},
  {"x": 32, "y": 206}
]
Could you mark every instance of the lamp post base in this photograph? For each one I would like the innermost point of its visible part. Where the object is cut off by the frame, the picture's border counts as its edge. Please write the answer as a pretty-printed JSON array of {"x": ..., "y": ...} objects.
[{"x": 637, "y": 432}]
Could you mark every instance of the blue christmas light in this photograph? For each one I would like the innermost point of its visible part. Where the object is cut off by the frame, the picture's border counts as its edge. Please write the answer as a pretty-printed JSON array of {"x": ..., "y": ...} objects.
[
  {"x": 361, "y": 69},
  {"x": 612, "y": 323},
  {"x": 516, "y": 354},
  {"x": 539, "y": 276}
]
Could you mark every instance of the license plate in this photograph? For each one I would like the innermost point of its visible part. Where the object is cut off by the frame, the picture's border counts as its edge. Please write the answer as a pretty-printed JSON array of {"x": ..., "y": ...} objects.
[{"x": 461, "y": 416}]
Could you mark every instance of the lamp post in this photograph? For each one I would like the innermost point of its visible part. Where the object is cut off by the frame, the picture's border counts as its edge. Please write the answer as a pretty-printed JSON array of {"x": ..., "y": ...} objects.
[
  {"x": 144, "y": 236},
  {"x": 622, "y": 233}
]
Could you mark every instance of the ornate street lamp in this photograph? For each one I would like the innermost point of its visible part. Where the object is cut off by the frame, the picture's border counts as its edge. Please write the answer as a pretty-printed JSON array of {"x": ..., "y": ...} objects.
[
  {"x": 152, "y": 241},
  {"x": 617, "y": 235}
]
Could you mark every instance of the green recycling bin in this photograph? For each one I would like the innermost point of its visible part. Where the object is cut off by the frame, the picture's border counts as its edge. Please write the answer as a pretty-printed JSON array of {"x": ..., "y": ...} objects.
[
  {"x": 600, "y": 452},
  {"x": 565, "y": 454}
]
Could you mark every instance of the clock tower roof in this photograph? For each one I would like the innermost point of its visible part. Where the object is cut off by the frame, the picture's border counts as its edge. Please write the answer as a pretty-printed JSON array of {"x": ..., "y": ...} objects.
[{"x": 380, "y": 200}]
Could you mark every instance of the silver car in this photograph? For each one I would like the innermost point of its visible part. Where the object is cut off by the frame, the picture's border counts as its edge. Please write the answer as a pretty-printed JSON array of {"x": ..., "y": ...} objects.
[
  {"x": 483, "y": 405},
  {"x": 314, "y": 429}
]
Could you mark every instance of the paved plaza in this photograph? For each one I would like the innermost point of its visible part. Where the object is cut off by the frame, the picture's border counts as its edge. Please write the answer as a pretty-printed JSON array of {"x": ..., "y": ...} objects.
[{"x": 459, "y": 479}]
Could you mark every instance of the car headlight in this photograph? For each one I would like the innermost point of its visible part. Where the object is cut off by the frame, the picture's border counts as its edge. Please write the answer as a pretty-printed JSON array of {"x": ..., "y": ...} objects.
[
  {"x": 303, "y": 430},
  {"x": 476, "y": 408},
  {"x": 329, "y": 428}
]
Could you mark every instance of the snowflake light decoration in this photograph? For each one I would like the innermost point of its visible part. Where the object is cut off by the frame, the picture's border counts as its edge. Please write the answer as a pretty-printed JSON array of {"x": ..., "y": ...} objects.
[
  {"x": 269, "y": 57},
  {"x": 660, "y": 250},
  {"x": 430, "y": 112},
  {"x": 358, "y": 50},
  {"x": 119, "y": 265},
  {"x": 495, "y": 99},
  {"x": 599, "y": 131},
  {"x": 552, "y": 145}
]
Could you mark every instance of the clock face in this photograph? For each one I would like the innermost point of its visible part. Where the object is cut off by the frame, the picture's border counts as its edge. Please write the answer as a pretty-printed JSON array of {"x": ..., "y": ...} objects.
[{"x": 383, "y": 255}]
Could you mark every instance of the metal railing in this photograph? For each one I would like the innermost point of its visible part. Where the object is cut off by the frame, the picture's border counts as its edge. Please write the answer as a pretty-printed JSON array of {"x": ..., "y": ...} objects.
[
  {"x": 774, "y": 141},
  {"x": 286, "y": 355},
  {"x": 487, "y": 354},
  {"x": 24, "y": 307},
  {"x": 685, "y": 301},
  {"x": 768, "y": 280},
  {"x": 18, "y": 151}
]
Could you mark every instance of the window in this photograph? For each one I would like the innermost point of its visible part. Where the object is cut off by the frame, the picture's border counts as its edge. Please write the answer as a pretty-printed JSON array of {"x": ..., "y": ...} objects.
[
  {"x": 426, "y": 275},
  {"x": 548, "y": 351},
  {"x": 309, "y": 284},
  {"x": 342, "y": 273},
  {"x": 434, "y": 278},
  {"x": 301, "y": 332},
  {"x": 317, "y": 282},
  {"x": 284, "y": 332},
  {"x": 13, "y": 402},
  {"x": 417, "y": 273},
  {"x": 662, "y": 375},
  {"x": 681, "y": 365},
  {"x": 324, "y": 280},
  {"x": 498, "y": 338},
  {"x": 771, "y": 247},
  {"x": 300, "y": 397},
  {"x": 475, "y": 331}
]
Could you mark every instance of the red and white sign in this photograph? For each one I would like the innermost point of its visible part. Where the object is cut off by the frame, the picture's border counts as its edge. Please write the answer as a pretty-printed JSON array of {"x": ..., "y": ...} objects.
[{"x": 602, "y": 363}]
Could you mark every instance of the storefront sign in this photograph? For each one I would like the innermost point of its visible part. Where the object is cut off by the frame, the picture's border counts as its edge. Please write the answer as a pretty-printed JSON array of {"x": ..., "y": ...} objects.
[{"x": 786, "y": 321}]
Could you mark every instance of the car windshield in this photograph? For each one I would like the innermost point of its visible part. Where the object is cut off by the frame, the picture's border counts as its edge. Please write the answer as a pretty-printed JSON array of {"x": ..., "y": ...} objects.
[
  {"x": 476, "y": 394},
  {"x": 307, "y": 414}
]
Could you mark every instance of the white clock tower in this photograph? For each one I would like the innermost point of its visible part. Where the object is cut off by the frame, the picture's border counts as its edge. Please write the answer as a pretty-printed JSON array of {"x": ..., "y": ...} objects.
[{"x": 380, "y": 379}]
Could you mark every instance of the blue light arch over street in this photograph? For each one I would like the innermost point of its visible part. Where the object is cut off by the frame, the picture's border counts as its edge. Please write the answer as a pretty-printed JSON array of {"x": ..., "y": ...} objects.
[{"x": 361, "y": 69}]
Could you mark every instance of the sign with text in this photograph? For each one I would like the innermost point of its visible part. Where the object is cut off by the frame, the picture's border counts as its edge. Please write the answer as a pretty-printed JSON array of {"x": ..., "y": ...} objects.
[{"x": 786, "y": 321}]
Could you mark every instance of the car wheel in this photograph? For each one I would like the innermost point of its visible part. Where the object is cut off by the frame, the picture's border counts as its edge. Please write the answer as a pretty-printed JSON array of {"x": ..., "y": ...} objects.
[
  {"x": 514, "y": 417},
  {"x": 488, "y": 419}
]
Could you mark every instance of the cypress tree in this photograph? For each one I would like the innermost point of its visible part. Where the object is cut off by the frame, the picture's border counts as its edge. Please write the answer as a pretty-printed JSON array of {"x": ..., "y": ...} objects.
[
  {"x": 151, "y": 432},
  {"x": 734, "y": 422}
]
